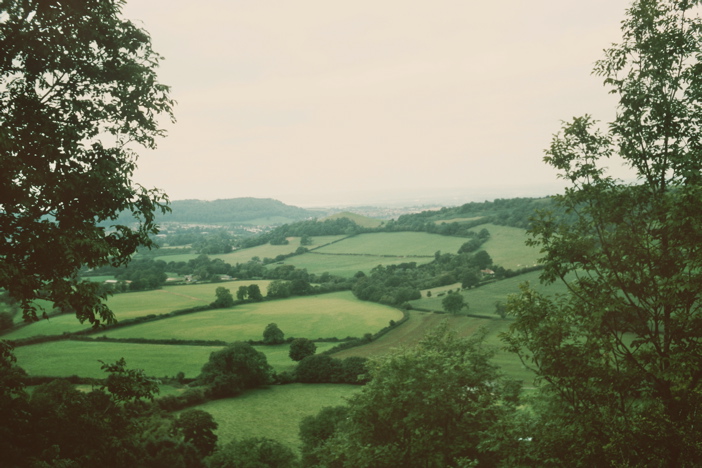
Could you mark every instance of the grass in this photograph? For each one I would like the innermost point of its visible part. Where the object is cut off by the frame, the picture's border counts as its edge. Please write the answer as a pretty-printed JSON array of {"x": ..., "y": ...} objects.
[
  {"x": 481, "y": 300},
  {"x": 275, "y": 412},
  {"x": 329, "y": 315},
  {"x": 422, "y": 322},
  {"x": 506, "y": 247},
  {"x": 261, "y": 251},
  {"x": 344, "y": 265},
  {"x": 66, "y": 358},
  {"x": 136, "y": 304},
  {"x": 398, "y": 244}
]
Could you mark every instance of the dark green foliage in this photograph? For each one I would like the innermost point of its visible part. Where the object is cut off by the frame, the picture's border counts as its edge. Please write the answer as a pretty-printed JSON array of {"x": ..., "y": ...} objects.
[
  {"x": 128, "y": 384},
  {"x": 236, "y": 368},
  {"x": 322, "y": 368},
  {"x": 224, "y": 298},
  {"x": 79, "y": 83},
  {"x": 197, "y": 428},
  {"x": 279, "y": 289},
  {"x": 300, "y": 348},
  {"x": 273, "y": 335},
  {"x": 6, "y": 321},
  {"x": 254, "y": 293},
  {"x": 434, "y": 405},
  {"x": 319, "y": 368},
  {"x": 619, "y": 358},
  {"x": 453, "y": 303},
  {"x": 315, "y": 430},
  {"x": 255, "y": 452}
]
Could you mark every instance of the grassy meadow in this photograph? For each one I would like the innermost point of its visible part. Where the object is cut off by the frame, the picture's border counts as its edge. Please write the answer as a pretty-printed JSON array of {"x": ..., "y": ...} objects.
[
  {"x": 260, "y": 251},
  {"x": 136, "y": 304},
  {"x": 274, "y": 412},
  {"x": 66, "y": 358},
  {"x": 324, "y": 316},
  {"x": 506, "y": 247}
]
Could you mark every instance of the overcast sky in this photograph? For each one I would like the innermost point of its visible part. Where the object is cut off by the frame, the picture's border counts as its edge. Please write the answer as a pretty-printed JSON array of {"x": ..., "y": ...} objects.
[{"x": 330, "y": 102}]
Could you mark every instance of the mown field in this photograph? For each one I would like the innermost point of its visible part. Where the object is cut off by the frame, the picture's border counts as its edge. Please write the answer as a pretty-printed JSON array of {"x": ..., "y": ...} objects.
[
  {"x": 324, "y": 316},
  {"x": 261, "y": 251},
  {"x": 274, "y": 412},
  {"x": 506, "y": 247},
  {"x": 66, "y": 358},
  {"x": 136, "y": 304}
]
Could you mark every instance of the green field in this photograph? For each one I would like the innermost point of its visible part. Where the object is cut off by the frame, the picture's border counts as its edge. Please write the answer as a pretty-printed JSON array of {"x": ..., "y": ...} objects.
[
  {"x": 481, "y": 300},
  {"x": 65, "y": 358},
  {"x": 506, "y": 247},
  {"x": 261, "y": 251},
  {"x": 397, "y": 244},
  {"x": 137, "y": 304},
  {"x": 274, "y": 412},
  {"x": 324, "y": 316}
]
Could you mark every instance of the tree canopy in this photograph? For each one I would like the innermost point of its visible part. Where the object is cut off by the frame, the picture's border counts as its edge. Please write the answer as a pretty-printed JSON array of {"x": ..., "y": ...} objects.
[
  {"x": 619, "y": 358},
  {"x": 78, "y": 95}
]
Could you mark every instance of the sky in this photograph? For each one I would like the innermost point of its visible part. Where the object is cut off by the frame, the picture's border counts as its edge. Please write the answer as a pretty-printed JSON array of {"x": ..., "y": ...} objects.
[{"x": 319, "y": 103}]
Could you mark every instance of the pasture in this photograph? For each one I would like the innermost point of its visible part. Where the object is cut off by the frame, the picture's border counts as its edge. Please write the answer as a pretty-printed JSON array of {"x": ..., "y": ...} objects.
[
  {"x": 507, "y": 248},
  {"x": 66, "y": 358},
  {"x": 260, "y": 251},
  {"x": 396, "y": 244},
  {"x": 324, "y": 316},
  {"x": 274, "y": 412},
  {"x": 481, "y": 300},
  {"x": 422, "y": 322},
  {"x": 136, "y": 304}
]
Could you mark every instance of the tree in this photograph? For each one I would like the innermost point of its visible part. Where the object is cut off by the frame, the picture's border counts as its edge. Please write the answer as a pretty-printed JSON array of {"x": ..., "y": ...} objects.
[
  {"x": 273, "y": 335},
  {"x": 316, "y": 430},
  {"x": 236, "y": 368},
  {"x": 254, "y": 293},
  {"x": 253, "y": 452},
  {"x": 197, "y": 428},
  {"x": 242, "y": 292},
  {"x": 79, "y": 92},
  {"x": 300, "y": 348},
  {"x": 279, "y": 289},
  {"x": 431, "y": 405},
  {"x": 453, "y": 303},
  {"x": 224, "y": 298},
  {"x": 619, "y": 358}
]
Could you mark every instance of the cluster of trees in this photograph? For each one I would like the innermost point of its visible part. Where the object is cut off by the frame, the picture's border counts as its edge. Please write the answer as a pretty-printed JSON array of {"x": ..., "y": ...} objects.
[
  {"x": 397, "y": 284},
  {"x": 440, "y": 403}
]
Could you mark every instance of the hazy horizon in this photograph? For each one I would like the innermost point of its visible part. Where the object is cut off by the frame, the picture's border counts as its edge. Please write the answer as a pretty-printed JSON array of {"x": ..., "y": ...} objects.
[{"x": 312, "y": 101}]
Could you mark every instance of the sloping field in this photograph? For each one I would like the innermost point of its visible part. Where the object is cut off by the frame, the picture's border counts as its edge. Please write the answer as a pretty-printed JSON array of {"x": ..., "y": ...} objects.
[
  {"x": 274, "y": 412},
  {"x": 506, "y": 247},
  {"x": 481, "y": 301},
  {"x": 137, "y": 304},
  {"x": 397, "y": 244},
  {"x": 260, "y": 251},
  {"x": 65, "y": 358},
  {"x": 345, "y": 265},
  {"x": 420, "y": 323},
  {"x": 324, "y": 316}
]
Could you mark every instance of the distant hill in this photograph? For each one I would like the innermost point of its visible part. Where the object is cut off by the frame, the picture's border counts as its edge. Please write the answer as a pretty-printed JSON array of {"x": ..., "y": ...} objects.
[
  {"x": 363, "y": 221},
  {"x": 236, "y": 211}
]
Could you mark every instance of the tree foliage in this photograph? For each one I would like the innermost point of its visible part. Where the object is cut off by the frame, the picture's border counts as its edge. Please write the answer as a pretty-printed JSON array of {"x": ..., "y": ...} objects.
[
  {"x": 236, "y": 368},
  {"x": 432, "y": 405},
  {"x": 619, "y": 358},
  {"x": 253, "y": 452},
  {"x": 300, "y": 348},
  {"x": 78, "y": 91},
  {"x": 273, "y": 335}
]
